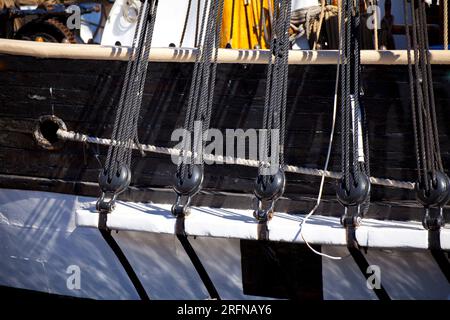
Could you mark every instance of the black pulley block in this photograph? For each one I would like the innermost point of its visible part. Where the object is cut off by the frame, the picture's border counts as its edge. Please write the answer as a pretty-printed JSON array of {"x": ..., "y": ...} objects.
[
  {"x": 439, "y": 193},
  {"x": 190, "y": 184},
  {"x": 358, "y": 192},
  {"x": 270, "y": 187},
  {"x": 116, "y": 184}
]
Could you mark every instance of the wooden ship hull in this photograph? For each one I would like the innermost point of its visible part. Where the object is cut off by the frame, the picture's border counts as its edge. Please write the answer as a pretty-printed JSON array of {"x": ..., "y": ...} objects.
[
  {"x": 57, "y": 112},
  {"x": 84, "y": 92},
  {"x": 46, "y": 184}
]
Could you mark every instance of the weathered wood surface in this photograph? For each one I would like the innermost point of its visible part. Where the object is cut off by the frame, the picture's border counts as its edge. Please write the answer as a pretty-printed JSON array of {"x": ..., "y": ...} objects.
[{"x": 85, "y": 94}]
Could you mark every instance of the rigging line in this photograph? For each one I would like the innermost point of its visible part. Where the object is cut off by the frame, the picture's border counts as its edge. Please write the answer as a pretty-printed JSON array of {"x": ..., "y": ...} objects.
[
  {"x": 344, "y": 42},
  {"x": 137, "y": 89},
  {"x": 428, "y": 155},
  {"x": 276, "y": 80},
  {"x": 432, "y": 98},
  {"x": 83, "y": 138},
  {"x": 115, "y": 176},
  {"x": 214, "y": 68},
  {"x": 207, "y": 91},
  {"x": 180, "y": 232},
  {"x": 424, "y": 169},
  {"x": 348, "y": 98},
  {"x": 345, "y": 95},
  {"x": 247, "y": 22},
  {"x": 199, "y": 108},
  {"x": 143, "y": 76},
  {"x": 106, "y": 234},
  {"x": 186, "y": 20},
  {"x": 363, "y": 266},
  {"x": 203, "y": 274},
  {"x": 411, "y": 87},
  {"x": 209, "y": 70},
  {"x": 363, "y": 154},
  {"x": 425, "y": 88},
  {"x": 267, "y": 94},
  {"x": 285, "y": 75},
  {"x": 230, "y": 41},
  {"x": 131, "y": 96},
  {"x": 119, "y": 111},
  {"x": 428, "y": 191},
  {"x": 193, "y": 92},
  {"x": 442, "y": 261},
  {"x": 327, "y": 161},
  {"x": 197, "y": 21},
  {"x": 446, "y": 24},
  {"x": 129, "y": 91},
  {"x": 261, "y": 22},
  {"x": 356, "y": 88}
]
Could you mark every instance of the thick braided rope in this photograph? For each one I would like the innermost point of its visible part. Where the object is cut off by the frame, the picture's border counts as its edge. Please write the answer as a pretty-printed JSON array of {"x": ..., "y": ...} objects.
[{"x": 79, "y": 137}]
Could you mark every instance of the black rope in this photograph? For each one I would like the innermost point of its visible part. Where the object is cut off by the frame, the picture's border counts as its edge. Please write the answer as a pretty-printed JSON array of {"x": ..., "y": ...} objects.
[
  {"x": 353, "y": 116},
  {"x": 125, "y": 132},
  {"x": 186, "y": 20},
  {"x": 275, "y": 101},
  {"x": 127, "y": 113},
  {"x": 196, "y": 262},
  {"x": 411, "y": 88},
  {"x": 363, "y": 265},
  {"x": 106, "y": 234},
  {"x": 423, "y": 55},
  {"x": 201, "y": 92},
  {"x": 203, "y": 274},
  {"x": 344, "y": 129},
  {"x": 426, "y": 136},
  {"x": 230, "y": 41},
  {"x": 270, "y": 184},
  {"x": 199, "y": 109},
  {"x": 356, "y": 68},
  {"x": 197, "y": 20},
  {"x": 433, "y": 185},
  {"x": 353, "y": 191},
  {"x": 360, "y": 112},
  {"x": 441, "y": 258},
  {"x": 418, "y": 91},
  {"x": 116, "y": 174}
]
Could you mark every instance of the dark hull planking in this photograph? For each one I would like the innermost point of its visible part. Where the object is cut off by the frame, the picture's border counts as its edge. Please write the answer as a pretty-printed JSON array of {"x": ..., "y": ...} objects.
[{"x": 85, "y": 93}]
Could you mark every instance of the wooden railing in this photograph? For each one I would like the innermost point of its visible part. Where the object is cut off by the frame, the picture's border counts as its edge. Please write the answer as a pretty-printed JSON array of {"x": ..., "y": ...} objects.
[{"x": 97, "y": 52}]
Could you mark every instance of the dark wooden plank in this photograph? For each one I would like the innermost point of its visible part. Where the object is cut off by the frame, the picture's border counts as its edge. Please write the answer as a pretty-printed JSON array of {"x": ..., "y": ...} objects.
[{"x": 86, "y": 94}]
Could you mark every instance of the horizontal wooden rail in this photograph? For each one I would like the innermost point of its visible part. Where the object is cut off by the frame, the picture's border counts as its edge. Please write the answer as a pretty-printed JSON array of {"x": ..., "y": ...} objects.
[{"x": 307, "y": 57}]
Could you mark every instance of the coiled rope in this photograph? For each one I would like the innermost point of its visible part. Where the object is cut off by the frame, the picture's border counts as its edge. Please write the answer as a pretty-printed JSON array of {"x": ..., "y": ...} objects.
[{"x": 83, "y": 138}]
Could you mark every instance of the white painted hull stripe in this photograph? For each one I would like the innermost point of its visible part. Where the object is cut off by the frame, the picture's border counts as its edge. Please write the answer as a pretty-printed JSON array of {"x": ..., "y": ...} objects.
[{"x": 240, "y": 224}]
